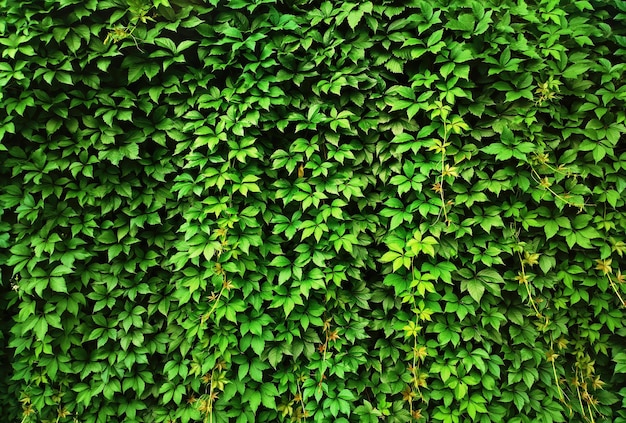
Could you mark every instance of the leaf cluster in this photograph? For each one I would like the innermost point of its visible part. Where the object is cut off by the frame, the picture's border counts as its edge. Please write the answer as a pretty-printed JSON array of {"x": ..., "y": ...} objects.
[{"x": 231, "y": 210}]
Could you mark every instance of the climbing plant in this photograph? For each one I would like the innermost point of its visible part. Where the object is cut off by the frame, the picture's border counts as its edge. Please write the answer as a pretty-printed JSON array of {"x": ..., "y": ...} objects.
[{"x": 229, "y": 210}]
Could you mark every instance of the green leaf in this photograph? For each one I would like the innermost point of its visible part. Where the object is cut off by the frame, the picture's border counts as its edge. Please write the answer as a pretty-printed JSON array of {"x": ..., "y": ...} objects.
[
  {"x": 490, "y": 276},
  {"x": 134, "y": 73},
  {"x": 476, "y": 289},
  {"x": 395, "y": 66},
  {"x": 53, "y": 125},
  {"x": 464, "y": 22},
  {"x": 268, "y": 395},
  {"x": 447, "y": 69},
  {"x": 57, "y": 284},
  {"x": 575, "y": 71},
  {"x": 280, "y": 261},
  {"x": 461, "y": 53},
  {"x": 254, "y": 399},
  {"x": 551, "y": 228},
  {"x": 41, "y": 328},
  {"x": 434, "y": 38},
  {"x": 354, "y": 17}
]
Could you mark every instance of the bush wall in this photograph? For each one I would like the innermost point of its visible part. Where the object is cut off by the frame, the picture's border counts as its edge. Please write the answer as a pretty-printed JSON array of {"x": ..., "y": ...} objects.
[{"x": 270, "y": 211}]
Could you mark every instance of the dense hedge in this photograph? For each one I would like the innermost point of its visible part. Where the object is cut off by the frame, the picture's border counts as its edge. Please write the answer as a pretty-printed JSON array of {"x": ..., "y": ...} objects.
[{"x": 312, "y": 211}]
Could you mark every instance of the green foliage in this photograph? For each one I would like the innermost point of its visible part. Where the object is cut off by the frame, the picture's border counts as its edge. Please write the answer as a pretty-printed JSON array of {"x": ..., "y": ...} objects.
[{"x": 231, "y": 210}]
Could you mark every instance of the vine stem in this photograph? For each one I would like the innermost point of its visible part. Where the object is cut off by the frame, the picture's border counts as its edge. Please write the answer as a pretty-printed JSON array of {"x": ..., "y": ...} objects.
[
  {"x": 545, "y": 186},
  {"x": 208, "y": 417},
  {"x": 325, "y": 349},
  {"x": 580, "y": 399},
  {"x": 616, "y": 290},
  {"x": 526, "y": 284},
  {"x": 215, "y": 303},
  {"x": 301, "y": 401},
  {"x": 556, "y": 377}
]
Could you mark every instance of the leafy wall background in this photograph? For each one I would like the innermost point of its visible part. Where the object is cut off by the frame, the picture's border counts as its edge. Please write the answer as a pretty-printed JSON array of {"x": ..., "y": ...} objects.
[{"x": 312, "y": 211}]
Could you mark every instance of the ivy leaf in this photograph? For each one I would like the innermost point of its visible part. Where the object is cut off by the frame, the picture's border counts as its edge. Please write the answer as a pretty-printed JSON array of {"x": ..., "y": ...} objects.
[
  {"x": 395, "y": 66},
  {"x": 41, "y": 328},
  {"x": 501, "y": 151},
  {"x": 58, "y": 284},
  {"x": 268, "y": 395},
  {"x": 354, "y": 17},
  {"x": 551, "y": 228},
  {"x": 53, "y": 125},
  {"x": 134, "y": 73},
  {"x": 254, "y": 400},
  {"x": 575, "y": 71},
  {"x": 476, "y": 289},
  {"x": 464, "y": 22},
  {"x": 461, "y": 53},
  {"x": 490, "y": 276}
]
